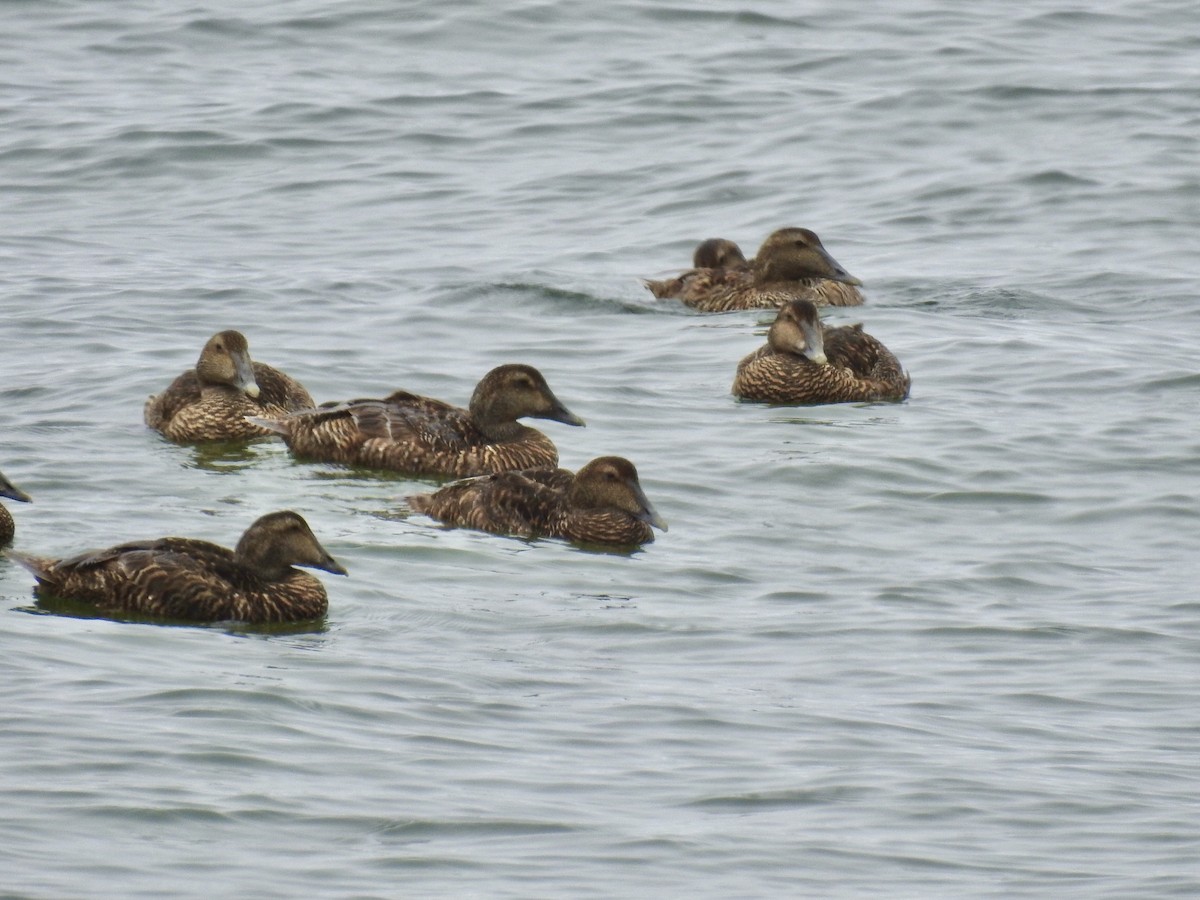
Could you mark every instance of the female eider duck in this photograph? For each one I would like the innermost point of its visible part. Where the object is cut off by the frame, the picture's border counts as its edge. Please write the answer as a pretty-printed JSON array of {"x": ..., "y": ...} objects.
[
  {"x": 183, "y": 578},
  {"x": 211, "y": 401},
  {"x": 7, "y": 527},
  {"x": 803, "y": 362},
  {"x": 603, "y": 503},
  {"x": 716, "y": 261},
  {"x": 408, "y": 433},
  {"x": 792, "y": 264}
]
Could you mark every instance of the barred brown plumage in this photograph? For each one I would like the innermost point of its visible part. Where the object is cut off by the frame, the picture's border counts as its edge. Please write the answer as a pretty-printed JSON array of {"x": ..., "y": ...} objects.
[
  {"x": 211, "y": 401},
  {"x": 601, "y": 504},
  {"x": 409, "y": 433},
  {"x": 185, "y": 578},
  {"x": 7, "y": 526},
  {"x": 804, "y": 362},
  {"x": 792, "y": 264}
]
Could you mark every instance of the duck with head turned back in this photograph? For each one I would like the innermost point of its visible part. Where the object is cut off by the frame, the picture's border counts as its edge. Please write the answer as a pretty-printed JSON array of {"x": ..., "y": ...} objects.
[
  {"x": 7, "y": 527},
  {"x": 716, "y": 262},
  {"x": 409, "y": 433},
  {"x": 792, "y": 264},
  {"x": 211, "y": 401},
  {"x": 184, "y": 578},
  {"x": 602, "y": 503},
  {"x": 804, "y": 362}
]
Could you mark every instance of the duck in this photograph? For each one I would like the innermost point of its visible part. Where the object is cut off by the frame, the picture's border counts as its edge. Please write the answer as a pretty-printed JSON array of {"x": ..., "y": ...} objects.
[
  {"x": 8, "y": 528},
  {"x": 716, "y": 261},
  {"x": 194, "y": 580},
  {"x": 602, "y": 503},
  {"x": 804, "y": 362},
  {"x": 211, "y": 401},
  {"x": 792, "y": 264},
  {"x": 406, "y": 432}
]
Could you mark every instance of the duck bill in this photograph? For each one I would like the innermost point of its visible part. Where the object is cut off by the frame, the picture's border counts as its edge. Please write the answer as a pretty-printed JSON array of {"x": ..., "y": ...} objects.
[
  {"x": 13, "y": 493},
  {"x": 560, "y": 413},
  {"x": 649, "y": 514},
  {"x": 836, "y": 272},
  {"x": 329, "y": 564},
  {"x": 814, "y": 344},
  {"x": 245, "y": 375}
]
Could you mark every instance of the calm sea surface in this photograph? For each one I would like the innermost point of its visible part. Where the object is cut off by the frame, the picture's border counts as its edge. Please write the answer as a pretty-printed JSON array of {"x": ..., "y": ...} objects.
[{"x": 949, "y": 647}]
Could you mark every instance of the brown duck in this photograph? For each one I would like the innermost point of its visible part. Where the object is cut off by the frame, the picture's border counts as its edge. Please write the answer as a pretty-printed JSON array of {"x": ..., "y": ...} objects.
[
  {"x": 603, "y": 503},
  {"x": 716, "y": 261},
  {"x": 211, "y": 401},
  {"x": 803, "y": 362},
  {"x": 183, "y": 578},
  {"x": 7, "y": 526},
  {"x": 408, "y": 433},
  {"x": 792, "y": 264}
]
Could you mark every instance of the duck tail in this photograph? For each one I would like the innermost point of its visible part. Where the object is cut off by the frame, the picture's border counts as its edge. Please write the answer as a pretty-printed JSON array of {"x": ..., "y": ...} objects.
[
  {"x": 279, "y": 426},
  {"x": 420, "y": 502},
  {"x": 657, "y": 288},
  {"x": 40, "y": 566}
]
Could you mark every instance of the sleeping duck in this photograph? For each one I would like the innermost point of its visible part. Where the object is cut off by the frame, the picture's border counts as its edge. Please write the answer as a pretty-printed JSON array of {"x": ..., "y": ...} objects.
[
  {"x": 7, "y": 526},
  {"x": 183, "y": 578},
  {"x": 715, "y": 261},
  {"x": 792, "y": 264},
  {"x": 602, "y": 503},
  {"x": 408, "y": 433},
  {"x": 211, "y": 401},
  {"x": 804, "y": 362}
]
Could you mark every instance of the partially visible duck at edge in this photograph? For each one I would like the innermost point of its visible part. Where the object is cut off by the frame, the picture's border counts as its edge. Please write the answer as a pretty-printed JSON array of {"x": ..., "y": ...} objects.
[
  {"x": 602, "y": 503},
  {"x": 792, "y": 264},
  {"x": 804, "y": 362},
  {"x": 211, "y": 401},
  {"x": 194, "y": 580},
  {"x": 7, "y": 527},
  {"x": 418, "y": 435}
]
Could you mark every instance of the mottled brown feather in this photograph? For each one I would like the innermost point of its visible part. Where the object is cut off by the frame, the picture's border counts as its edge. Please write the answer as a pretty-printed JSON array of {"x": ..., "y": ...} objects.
[
  {"x": 212, "y": 407},
  {"x": 406, "y": 432},
  {"x": 792, "y": 264},
  {"x": 188, "y": 579},
  {"x": 859, "y": 367},
  {"x": 602, "y": 504}
]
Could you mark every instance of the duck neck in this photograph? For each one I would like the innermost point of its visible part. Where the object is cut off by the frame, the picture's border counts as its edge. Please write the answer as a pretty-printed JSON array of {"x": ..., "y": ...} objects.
[
  {"x": 262, "y": 561},
  {"x": 500, "y": 429}
]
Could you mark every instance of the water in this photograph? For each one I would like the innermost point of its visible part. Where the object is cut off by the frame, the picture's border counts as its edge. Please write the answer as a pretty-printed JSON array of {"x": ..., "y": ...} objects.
[{"x": 942, "y": 648}]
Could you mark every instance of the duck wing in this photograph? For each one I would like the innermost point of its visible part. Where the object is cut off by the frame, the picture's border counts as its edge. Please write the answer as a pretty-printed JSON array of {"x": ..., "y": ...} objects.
[
  {"x": 516, "y": 502},
  {"x": 277, "y": 389}
]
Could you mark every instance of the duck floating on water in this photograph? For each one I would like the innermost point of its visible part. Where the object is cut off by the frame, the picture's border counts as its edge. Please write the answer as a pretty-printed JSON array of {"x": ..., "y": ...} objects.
[
  {"x": 715, "y": 262},
  {"x": 603, "y": 503},
  {"x": 418, "y": 435},
  {"x": 211, "y": 402},
  {"x": 194, "y": 580},
  {"x": 792, "y": 264},
  {"x": 7, "y": 526},
  {"x": 805, "y": 362}
]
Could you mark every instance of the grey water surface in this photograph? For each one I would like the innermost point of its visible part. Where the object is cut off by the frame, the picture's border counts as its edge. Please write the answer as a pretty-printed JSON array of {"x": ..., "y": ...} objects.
[{"x": 949, "y": 647}]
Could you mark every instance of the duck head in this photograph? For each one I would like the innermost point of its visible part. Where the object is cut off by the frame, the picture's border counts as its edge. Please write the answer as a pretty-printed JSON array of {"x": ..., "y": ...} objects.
[
  {"x": 225, "y": 359},
  {"x": 797, "y": 329},
  {"x": 791, "y": 254}
]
